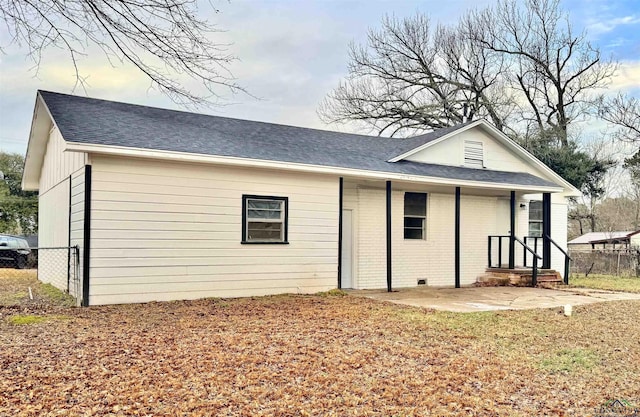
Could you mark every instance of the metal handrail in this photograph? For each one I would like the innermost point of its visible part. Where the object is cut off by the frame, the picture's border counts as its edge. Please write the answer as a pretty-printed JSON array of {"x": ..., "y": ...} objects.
[
  {"x": 557, "y": 246},
  {"x": 500, "y": 237},
  {"x": 536, "y": 257},
  {"x": 527, "y": 247},
  {"x": 535, "y": 246},
  {"x": 567, "y": 259}
]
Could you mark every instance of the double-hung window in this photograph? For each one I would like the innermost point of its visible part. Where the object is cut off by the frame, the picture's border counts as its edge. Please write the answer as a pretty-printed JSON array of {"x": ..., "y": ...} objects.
[
  {"x": 264, "y": 219},
  {"x": 415, "y": 215},
  {"x": 535, "y": 218}
]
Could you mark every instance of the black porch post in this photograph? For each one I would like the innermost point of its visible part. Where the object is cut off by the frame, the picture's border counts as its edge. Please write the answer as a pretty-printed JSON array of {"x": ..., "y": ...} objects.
[
  {"x": 546, "y": 230},
  {"x": 340, "y": 203},
  {"x": 457, "y": 238},
  {"x": 86, "y": 242},
  {"x": 512, "y": 232},
  {"x": 389, "y": 236}
]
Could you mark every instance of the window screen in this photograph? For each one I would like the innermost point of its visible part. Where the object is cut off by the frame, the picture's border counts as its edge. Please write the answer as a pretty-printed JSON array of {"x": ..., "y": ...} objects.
[{"x": 415, "y": 215}]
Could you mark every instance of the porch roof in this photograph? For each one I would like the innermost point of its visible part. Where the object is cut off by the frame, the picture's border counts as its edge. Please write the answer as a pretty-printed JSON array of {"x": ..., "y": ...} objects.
[{"x": 107, "y": 124}]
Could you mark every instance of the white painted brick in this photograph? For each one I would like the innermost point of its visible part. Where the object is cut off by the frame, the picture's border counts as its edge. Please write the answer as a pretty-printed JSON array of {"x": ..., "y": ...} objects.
[{"x": 433, "y": 258}]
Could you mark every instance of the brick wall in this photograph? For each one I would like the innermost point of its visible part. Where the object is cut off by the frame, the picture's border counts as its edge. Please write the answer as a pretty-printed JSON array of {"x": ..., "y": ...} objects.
[{"x": 431, "y": 259}]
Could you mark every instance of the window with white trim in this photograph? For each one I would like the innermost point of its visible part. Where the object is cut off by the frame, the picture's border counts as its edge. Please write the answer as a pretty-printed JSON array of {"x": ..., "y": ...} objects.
[
  {"x": 415, "y": 215},
  {"x": 535, "y": 218},
  {"x": 264, "y": 219},
  {"x": 473, "y": 154}
]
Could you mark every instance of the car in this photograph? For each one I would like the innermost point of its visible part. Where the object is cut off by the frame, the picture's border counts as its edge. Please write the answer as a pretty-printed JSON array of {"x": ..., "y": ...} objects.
[{"x": 14, "y": 252}]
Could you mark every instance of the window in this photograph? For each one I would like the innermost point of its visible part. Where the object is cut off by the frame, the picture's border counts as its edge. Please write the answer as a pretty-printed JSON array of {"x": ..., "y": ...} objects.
[
  {"x": 473, "y": 154},
  {"x": 264, "y": 219},
  {"x": 415, "y": 215},
  {"x": 535, "y": 218}
]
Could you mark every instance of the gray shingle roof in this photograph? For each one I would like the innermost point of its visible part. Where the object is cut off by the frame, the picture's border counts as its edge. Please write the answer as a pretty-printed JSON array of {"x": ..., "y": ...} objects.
[{"x": 92, "y": 121}]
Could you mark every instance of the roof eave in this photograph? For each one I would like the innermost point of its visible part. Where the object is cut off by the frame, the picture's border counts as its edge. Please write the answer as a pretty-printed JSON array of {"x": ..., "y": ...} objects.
[
  {"x": 295, "y": 166},
  {"x": 39, "y": 134}
]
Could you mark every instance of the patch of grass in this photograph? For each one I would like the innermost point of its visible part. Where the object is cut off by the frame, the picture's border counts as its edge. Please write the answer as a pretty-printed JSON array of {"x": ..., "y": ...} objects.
[
  {"x": 15, "y": 298},
  {"x": 55, "y": 296},
  {"x": 21, "y": 320},
  {"x": 569, "y": 360},
  {"x": 25, "y": 320},
  {"x": 18, "y": 274},
  {"x": 606, "y": 282},
  {"x": 14, "y": 290}
]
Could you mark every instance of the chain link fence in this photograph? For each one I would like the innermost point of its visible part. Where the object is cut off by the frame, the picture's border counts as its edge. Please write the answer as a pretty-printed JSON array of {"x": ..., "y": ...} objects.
[
  {"x": 58, "y": 266},
  {"x": 618, "y": 262}
]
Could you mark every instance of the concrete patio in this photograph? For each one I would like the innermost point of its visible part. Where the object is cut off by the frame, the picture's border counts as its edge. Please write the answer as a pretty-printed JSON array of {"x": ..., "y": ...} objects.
[{"x": 471, "y": 299}]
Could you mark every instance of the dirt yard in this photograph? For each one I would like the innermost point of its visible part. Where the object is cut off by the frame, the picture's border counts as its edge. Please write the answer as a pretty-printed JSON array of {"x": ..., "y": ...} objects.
[{"x": 313, "y": 356}]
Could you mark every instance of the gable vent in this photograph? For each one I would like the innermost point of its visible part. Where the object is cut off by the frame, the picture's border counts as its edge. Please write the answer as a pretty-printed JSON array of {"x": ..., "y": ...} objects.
[{"x": 473, "y": 154}]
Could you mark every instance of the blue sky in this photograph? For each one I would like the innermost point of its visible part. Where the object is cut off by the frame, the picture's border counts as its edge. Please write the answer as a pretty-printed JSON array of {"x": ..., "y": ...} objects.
[{"x": 292, "y": 53}]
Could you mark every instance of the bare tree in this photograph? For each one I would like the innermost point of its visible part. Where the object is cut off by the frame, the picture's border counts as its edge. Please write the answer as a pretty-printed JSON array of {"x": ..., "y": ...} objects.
[
  {"x": 162, "y": 38},
  {"x": 520, "y": 56},
  {"x": 623, "y": 111},
  {"x": 632, "y": 165},
  {"x": 554, "y": 69},
  {"x": 607, "y": 183},
  {"x": 411, "y": 76}
]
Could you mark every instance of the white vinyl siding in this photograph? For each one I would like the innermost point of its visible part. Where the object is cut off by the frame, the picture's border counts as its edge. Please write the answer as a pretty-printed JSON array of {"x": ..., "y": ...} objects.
[
  {"x": 496, "y": 156},
  {"x": 57, "y": 164},
  {"x": 163, "y": 231},
  {"x": 77, "y": 226},
  {"x": 53, "y": 209}
]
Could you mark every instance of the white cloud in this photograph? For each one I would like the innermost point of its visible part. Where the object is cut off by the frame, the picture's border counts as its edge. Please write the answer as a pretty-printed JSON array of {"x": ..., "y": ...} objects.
[
  {"x": 597, "y": 27},
  {"x": 627, "y": 79}
]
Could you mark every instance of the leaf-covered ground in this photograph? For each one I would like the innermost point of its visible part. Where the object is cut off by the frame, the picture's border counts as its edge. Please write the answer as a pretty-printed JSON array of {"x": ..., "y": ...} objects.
[{"x": 315, "y": 355}]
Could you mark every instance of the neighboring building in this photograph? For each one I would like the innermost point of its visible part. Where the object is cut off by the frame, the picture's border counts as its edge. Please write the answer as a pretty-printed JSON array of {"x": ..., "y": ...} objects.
[
  {"x": 173, "y": 205},
  {"x": 606, "y": 241}
]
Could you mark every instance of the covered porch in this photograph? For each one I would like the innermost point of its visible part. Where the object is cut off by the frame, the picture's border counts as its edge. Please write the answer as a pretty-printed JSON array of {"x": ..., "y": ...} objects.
[{"x": 466, "y": 231}]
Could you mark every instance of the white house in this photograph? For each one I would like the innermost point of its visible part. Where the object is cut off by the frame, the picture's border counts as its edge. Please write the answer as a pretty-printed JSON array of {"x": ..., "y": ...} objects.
[{"x": 172, "y": 205}]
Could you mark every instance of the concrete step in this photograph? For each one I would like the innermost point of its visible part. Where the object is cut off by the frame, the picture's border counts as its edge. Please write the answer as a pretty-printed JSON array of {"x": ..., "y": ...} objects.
[{"x": 518, "y": 278}]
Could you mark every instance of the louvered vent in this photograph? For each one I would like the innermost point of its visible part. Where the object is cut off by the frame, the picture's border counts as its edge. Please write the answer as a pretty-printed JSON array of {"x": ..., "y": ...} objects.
[{"x": 473, "y": 154}]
